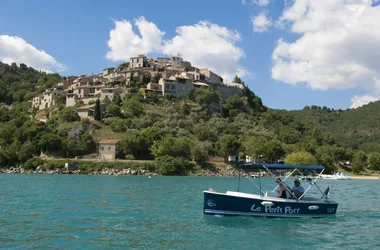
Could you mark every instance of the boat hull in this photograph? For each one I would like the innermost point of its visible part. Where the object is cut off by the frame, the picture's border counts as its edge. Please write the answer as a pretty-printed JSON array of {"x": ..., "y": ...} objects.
[{"x": 241, "y": 204}]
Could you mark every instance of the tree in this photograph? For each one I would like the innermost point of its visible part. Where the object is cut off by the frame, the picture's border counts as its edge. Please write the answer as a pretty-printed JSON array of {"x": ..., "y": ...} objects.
[
  {"x": 234, "y": 105},
  {"x": 150, "y": 135},
  {"x": 374, "y": 161},
  {"x": 168, "y": 165},
  {"x": 156, "y": 77},
  {"x": 112, "y": 110},
  {"x": 145, "y": 79},
  {"x": 132, "y": 106},
  {"x": 33, "y": 163},
  {"x": 132, "y": 144},
  {"x": 123, "y": 66},
  {"x": 200, "y": 152},
  {"x": 206, "y": 132},
  {"x": 358, "y": 161},
  {"x": 301, "y": 158},
  {"x": 273, "y": 150},
  {"x": 228, "y": 145},
  {"x": 97, "y": 111},
  {"x": 205, "y": 97},
  {"x": 117, "y": 100},
  {"x": 69, "y": 114},
  {"x": 173, "y": 146},
  {"x": 50, "y": 143}
]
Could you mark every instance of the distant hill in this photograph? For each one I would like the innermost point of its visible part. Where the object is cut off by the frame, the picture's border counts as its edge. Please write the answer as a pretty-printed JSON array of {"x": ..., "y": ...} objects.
[{"x": 356, "y": 128}]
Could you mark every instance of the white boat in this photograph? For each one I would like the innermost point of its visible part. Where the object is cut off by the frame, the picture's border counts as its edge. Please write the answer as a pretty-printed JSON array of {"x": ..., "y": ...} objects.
[
  {"x": 336, "y": 176},
  {"x": 236, "y": 203}
]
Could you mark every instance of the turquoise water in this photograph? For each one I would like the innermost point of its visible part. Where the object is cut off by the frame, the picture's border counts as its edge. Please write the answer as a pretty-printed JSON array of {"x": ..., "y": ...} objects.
[{"x": 135, "y": 212}]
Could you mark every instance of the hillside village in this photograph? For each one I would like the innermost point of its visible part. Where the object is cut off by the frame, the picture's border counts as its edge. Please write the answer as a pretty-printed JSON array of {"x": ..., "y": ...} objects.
[
  {"x": 166, "y": 76},
  {"x": 171, "y": 112}
]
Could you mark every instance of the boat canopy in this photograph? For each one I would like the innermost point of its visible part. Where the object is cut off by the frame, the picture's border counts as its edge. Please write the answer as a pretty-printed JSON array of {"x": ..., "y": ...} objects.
[{"x": 255, "y": 166}]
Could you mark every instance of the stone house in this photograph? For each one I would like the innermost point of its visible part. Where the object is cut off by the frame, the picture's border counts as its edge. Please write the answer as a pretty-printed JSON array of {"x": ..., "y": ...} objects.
[
  {"x": 66, "y": 83},
  {"x": 86, "y": 94},
  {"x": 110, "y": 93},
  {"x": 153, "y": 89},
  {"x": 178, "y": 85},
  {"x": 107, "y": 71},
  {"x": 210, "y": 77},
  {"x": 177, "y": 62},
  {"x": 163, "y": 62},
  {"x": 108, "y": 149},
  {"x": 138, "y": 62},
  {"x": 47, "y": 99},
  {"x": 88, "y": 91},
  {"x": 88, "y": 111}
]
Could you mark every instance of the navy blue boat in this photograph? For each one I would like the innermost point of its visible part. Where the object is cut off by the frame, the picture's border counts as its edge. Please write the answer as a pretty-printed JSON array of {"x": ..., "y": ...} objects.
[{"x": 235, "y": 203}]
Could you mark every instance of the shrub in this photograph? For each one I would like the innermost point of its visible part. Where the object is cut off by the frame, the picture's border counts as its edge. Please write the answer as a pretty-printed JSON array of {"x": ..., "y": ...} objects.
[
  {"x": 33, "y": 163},
  {"x": 301, "y": 159}
]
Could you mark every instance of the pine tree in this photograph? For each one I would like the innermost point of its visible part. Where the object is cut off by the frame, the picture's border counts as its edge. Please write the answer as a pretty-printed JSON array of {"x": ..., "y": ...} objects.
[{"x": 97, "y": 112}]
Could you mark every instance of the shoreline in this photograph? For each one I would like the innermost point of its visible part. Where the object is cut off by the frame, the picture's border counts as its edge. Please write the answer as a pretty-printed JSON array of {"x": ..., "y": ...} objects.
[
  {"x": 143, "y": 172},
  {"x": 117, "y": 172},
  {"x": 364, "y": 177}
]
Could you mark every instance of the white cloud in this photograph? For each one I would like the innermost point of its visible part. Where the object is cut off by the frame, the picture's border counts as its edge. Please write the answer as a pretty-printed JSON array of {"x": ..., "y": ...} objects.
[
  {"x": 339, "y": 47},
  {"x": 358, "y": 101},
  {"x": 14, "y": 49},
  {"x": 205, "y": 45},
  {"x": 261, "y": 23},
  {"x": 208, "y": 45},
  {"x": 261, "y": 2},
  {"x": 125, "y": 43}
]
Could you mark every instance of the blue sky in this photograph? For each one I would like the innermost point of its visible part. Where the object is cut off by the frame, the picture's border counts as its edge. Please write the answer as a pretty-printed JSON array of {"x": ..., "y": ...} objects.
[{"x": 290, "y": 53}]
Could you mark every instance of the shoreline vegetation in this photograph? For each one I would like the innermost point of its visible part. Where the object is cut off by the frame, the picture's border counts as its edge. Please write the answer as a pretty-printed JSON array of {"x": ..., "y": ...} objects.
[{"x": 142, "y": 168}]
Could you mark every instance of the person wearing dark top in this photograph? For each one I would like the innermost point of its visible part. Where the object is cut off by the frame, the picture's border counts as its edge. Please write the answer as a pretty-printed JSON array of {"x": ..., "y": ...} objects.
[{"x": 281, "y": 189}]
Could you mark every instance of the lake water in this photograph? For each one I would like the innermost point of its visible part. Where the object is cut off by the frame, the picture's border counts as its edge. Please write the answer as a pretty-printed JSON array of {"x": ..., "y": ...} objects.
[{"x": 135, "y": 212}]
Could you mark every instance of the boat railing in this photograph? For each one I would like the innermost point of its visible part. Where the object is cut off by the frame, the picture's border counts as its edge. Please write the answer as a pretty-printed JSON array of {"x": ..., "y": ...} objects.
[{"x": 311, "y": 183}]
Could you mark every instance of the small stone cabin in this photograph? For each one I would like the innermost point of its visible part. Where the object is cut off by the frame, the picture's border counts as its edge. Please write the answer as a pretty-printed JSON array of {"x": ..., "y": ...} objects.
[{"x": 108, "y": 149}]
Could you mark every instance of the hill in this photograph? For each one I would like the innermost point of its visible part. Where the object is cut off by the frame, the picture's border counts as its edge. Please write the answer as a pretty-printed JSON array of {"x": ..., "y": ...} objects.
[
  {"x": 20, "y": 83},
  {"x": 180, "y": 132},
  {"x": 354, "y": 128}
]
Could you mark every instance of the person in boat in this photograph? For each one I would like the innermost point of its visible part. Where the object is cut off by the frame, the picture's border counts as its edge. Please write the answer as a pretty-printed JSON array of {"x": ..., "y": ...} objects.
[
  {"x": 297, "y": 189},
  {"x": 281, "y": 189}
]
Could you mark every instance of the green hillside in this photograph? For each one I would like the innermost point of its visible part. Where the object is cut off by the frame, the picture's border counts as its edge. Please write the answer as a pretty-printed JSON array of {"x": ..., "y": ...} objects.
[
  {"x": 181, "y": 133},
  {"x": 20, "y": 83},
  {"x": 355, "y": 128}
]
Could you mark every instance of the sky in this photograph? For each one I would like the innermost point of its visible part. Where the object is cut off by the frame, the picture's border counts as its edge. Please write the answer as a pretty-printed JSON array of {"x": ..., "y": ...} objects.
[{"x": 291, "y": 53}]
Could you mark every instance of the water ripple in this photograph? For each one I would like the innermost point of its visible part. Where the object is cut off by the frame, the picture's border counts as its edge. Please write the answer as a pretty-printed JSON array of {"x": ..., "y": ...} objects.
[{"x": 135, "y": 212}]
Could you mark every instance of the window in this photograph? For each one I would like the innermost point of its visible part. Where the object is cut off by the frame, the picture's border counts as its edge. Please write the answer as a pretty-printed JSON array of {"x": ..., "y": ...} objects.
[
  {"x": 102, "y": 148},
  {"x": 109, "y": 148}
]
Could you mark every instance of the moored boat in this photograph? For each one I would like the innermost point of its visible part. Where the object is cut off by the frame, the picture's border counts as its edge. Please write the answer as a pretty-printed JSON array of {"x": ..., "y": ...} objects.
[
  {"x": 336, "y": 176},
  {"x": 235, "y": 203}
]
